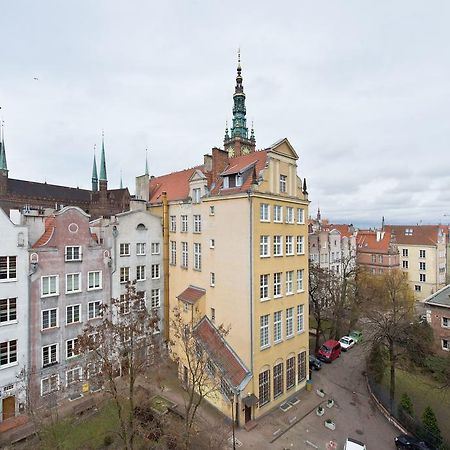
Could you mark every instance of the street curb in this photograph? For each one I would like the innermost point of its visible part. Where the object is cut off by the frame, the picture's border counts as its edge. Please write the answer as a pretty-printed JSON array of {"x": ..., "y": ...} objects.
[{"x": 384, "y": 411}]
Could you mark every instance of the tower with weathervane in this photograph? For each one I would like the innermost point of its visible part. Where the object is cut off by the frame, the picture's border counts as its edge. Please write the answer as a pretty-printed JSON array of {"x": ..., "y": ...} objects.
[{"x": 236, "y": 141}]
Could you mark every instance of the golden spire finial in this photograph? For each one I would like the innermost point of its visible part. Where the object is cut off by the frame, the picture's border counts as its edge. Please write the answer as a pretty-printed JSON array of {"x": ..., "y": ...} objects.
[{"x": 239, "y": 57}]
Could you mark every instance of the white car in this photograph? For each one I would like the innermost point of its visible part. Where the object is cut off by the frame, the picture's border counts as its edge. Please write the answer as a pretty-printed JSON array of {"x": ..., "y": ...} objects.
[
  {"x": 346, "y": 342},
  {"x": 352, "y": 444}
]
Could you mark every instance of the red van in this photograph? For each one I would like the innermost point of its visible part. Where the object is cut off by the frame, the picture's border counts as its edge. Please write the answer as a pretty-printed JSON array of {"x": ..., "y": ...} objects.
[{"x": 329, "y": 351}]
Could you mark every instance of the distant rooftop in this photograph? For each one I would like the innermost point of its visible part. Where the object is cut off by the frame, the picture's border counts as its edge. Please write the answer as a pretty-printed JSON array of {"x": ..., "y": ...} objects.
[{"x": 440, "y": 298}]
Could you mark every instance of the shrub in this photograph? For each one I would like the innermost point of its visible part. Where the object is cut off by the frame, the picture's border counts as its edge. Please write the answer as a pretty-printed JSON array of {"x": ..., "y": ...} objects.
[
  {"x": 108, "y": 440},
  {"x": 431, "y": 427},
  {"x": 406, "y": 404}
]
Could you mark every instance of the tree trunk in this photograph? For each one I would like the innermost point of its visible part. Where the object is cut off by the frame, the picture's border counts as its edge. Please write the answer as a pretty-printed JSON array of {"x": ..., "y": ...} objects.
[
  {"x": 318, "y": 332},
  {"x": 392, "y": 375}
]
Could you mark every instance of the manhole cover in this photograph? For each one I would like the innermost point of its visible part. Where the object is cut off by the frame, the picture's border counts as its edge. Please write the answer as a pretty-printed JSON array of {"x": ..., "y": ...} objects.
[
  {"x": 360, "y": 432},
  {"x": 353, "y": 403}
]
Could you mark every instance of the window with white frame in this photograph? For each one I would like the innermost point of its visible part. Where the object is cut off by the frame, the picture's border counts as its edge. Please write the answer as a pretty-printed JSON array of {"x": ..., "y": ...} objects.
[
  {"x": 124, "y": 304},
  {"x": 49, "y": 318},
  {"x": 290, "y": 373},
  {"x": 8, "y": 267},
  {"x": 211, "y": 211},
  {"x": 49, "y": 384},
  {"x": 142, "y": 298},
  {"x": 264, "y": 331},
  {"x": 289, "y": 245},
  {"x": 417, "y": 288},
  {"x": 300, "y": 215},
  {"x": 264, "y": 246},
  {"x": 71, "y": 348},
  {"x": 124, "y": 274},
  {"x": 278, "y": 245},
  {"x": 140, "y": 248},
  {"x": 278, "y": 380},
  {"x": 49, "y": 355},
  {"x": 94, "y": 310},
  {"x": 197, "y": 256},
  {"x": 212, "y": 243},
  {"x": 445, "y": 344},
  {"x": 264, "y": 212},
  {"x": 73, "y": 253},
  {"x": 405, "y": 252},
  {"x": 405, "y": 265},
  {"x": 290, "y": 322},
  {"x": 422, "y": 265},
  {"x": 49, "y": 285},
  {"x": 289, "y": 214},
  {"x": 277, "y": 284},
  {"x": 124, "y": 249},
  {"x": 8, "y": 310},
  {"x": 184, "y": 254},
  {"x": 264, "y": 388},
  {"x": 300, "y": 319},
  {"x": 301, "y": 366},
  {"x": 73, "y": 314},
  {"x": 197, "y": 223},
  {"x": 94, "y": 280},
  {"x": 278, "y": 213},
  {"x": 140, "y": 272},
  {"x": 300, "y": 245},
  {"x": 73, "y": 283},
  {"x": 445, "y": 322},
  {"x": 422, "y": 278},
  {"x": 173, "y": 224},
  {"x": 155, "y": 248},
  {"x": 283, "y": 183},
  {"x": 73, "y": 376},
  {"x": 196, "y": 194},
  {"x": 300, "y": 280},
  {"x": 264, "y": 287},
  {"x": 277, "y": 326},
  {"x": 212, "y": 279},
  {"x": 8, "y": 353},
  {"x": 289, "y": 282},
  {"x": 173, "y": 253},
  {"x": 184, "y": 223},
  {"x": 422, "y": 253}
]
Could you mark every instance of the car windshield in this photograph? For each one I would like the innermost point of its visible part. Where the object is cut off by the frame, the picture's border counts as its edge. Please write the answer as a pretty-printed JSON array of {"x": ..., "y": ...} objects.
[
  {"x": 325, "y": 349},
  {"x": 345, "y": 341}
]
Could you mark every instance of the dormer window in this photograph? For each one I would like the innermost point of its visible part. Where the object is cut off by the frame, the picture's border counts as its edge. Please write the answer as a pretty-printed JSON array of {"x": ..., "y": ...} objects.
[
  {"x": 196, "y": 193},
  {"x": 232, "y": 181}
]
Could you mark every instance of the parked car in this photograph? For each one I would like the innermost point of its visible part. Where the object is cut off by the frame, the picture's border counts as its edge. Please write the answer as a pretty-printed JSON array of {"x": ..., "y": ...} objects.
[
  {"x": 346, "y": 343},
  {"x": 314, "y": 362},
  {"x": 405, "y": 441},
  {"x": 353, "y": 444},
  {"x": 356, "y": 336},
  {"x": 329, "y": 351}
]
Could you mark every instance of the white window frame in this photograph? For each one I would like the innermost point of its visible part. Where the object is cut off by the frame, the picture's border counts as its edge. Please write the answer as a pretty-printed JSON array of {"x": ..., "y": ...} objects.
[
  {"x": 173, "y": 224},
  {"x": 264, "y": 287},
  {"x": 9, "y": 354},
  {"x": 140, "y": 248},
  {"x": 69, "y": 253},
  {"x": 277, "y": 292},
  {"x": 155, "y": 248},
  {"x": 212, "y": 279},
  {"x": 300, "y": 245},
  {"x": 173, "y": 253},
  {"x": 212, "y": 243},
  {"x": 300, "y": 216},
  {"x": 264, "y": 212},
  {"x": 73, "y": 308},
  {"x": 184, "y": 255},
  {"x": 141, "y": 272},
  {"x": 289, "y": 322},
  {"x": 73, "y": 370},
  {"x": 445, "y": 344},
  {"x": 49, "y": 378},
  {"x": 264, "y": 331},
  {"x": 156, "y": 298},
  {"x": 51, "y": 293},
  {"x": 197, "y": 256},
  {"x": 422, "y": 265},
  {"x": 196, "y": 195},
  {"x": 278, "y": 245},
  {"x": 264, "y": 246},
  {"x": 74, "y": 343},
  {"x": 49, "y": 320},
  {"x": 422, "y": 278},
  {"x": 124, "y": 249},
  {"x": 278, "y": 214},
  {"x": 9, "y": 311},
  {"x": 289, "y": 244},
  {"x": 51, "y": 362},
  {"x": 283, "y": 184},
  {"x": 422, "y": 254},
  {"x": 300, "y": 280},
  {"x": 300, "y": 319},
  {"x": 277, "y": 327},
  {"x": 96, "y": 309},
  {"x": 289, "y": 282},
  {"x": 9, "y": 270},
  {"x": 74, "y": 291},
  {"x": 197, "y": 223},
  {"x": 124, "y": 274},
  {"x": 100, "y": 280},
  {"x": 156, "y": 271},
  {"x": 184, "y": 223},
  {"x": 445, "y": 322},
  {"x": 289, "y": 214}
]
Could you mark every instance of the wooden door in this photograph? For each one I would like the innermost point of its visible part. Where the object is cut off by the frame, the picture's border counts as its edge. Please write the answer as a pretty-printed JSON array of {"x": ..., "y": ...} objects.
[
  {"x": 9, "y": 407},
  {"x": 248, "y": 413}
]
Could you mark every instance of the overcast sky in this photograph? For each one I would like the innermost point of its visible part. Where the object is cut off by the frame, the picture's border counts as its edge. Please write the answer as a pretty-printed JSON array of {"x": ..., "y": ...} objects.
[{"x": 360, "y": 88}]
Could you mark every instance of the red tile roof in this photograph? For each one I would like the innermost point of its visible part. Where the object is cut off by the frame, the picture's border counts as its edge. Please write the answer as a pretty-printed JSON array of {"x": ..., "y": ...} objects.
[
  {"x": 49, "y": 228},
  {"x": 344, "y": 230},
  {"x": 367, "y": 241},
  {"x": 191, "y": 295},
  {"x": 221, "y": 353},
  {"x": 416, "y": 234}
]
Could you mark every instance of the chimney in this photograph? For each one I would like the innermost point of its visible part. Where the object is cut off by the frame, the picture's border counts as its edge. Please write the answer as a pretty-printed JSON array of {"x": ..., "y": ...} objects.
[
  {"x": 219, "y": 162},
  {"x": 207, "y": 162}
]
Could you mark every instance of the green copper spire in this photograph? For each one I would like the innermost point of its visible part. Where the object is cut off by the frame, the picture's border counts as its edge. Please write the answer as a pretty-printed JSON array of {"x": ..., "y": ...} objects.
[
  {"x": 252, "y": 133},
  {"x": 103, "y": 176},
  {"x": 239, "y": 127},
  {"x": 94, "y": 174},
  {"x": 146, "y": 161},
  {"x": 227, "y": 135},
  {"x": 3, "y": 165}
]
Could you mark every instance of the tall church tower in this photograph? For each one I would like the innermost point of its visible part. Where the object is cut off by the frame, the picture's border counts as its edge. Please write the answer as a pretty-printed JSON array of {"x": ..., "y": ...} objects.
[
  {"x": 3, "y": 164},
  {"x": 238, "y": 143},
  {"x": 103, "y": 180}
]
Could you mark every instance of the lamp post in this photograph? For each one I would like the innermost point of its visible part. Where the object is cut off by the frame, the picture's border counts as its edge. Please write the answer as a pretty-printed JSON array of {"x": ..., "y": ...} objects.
[{"x": 232, "y": 421}]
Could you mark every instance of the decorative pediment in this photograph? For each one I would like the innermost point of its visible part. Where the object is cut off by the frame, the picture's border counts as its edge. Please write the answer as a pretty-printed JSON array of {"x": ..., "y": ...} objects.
[{"x": 284, "y": 148}]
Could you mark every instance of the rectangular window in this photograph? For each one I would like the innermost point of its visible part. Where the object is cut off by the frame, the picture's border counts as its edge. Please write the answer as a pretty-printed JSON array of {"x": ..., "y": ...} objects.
[
  {"x": 290, "y": 373},
  {"x": 196, "y": 194},
  {"x": 124, "y": 249},
  {"x": 173, "y": 253},
  {"x": 73, "y": 314},
  {"x": 73, "y": 283},
  {"x": 264, "y": 287},
  {"x": 300, "y": 215},
  {"x": 300, "y": 280},
  {"x": 49, "y": 318},
  {"x": 264, "y": 388},
  {"x": 173, "y": 224},
  {"x": 140, "y": 272},
  {"x": 264, "y": 246},
  {"x": 197, "y": 256},
  {"x": 422, "y": 277},
  {"x": 445, "y": 344},
  {"x": 300, "y": 319},
  {"x": 277, "y": 327},
  {"x": 264, "y": 212},
  {"x": 374, "y": 258},
  {"x": 300, "y": 245},
  {"x": 446, "y": 322},
  {"x": 422, "y": 265},
  {"x": 124, "y": 304},
  {"x": 417, "y": 288},
  {"x": 289, "y": 282},
  {"x": 140, "y": 248},
  {"x": 8, "y": 353},
  {"x": 301, "y": 366},
  {"x": 184, "y": 254},
  {"x": 277, "y": 246},
  {"x": 283, "y": 183},
  {"x": 156, "y": 298},
  {"x": 211, "y": 211},
  {"x": 49, "y": 355},
  {"x": 73, "y": 253},
  {"x": 8, "y": 267},
  {"x": 277, "y": 284},
  {"x": 184, "y": 223},
  {"x": 405, "y": 252},
  {"x": 213, "y": 314},
  {"x": 49, "y": 384},
  {"x": 94, "y": 280},
  {"x": 155, "y": 248},
  {"x": 49, "y": 285},
  {"x": 142, "y": 296},
  {"x": 212, "y": 279},
  {"x": 94, "y": 310},
  {"x": 73, "y": 375},
  {"x": 278, "y": 213},
  {"x": 212, "y": 243},
  {"x": 405, "y": 264},
  {"x": 289, "y": 322},
  {"x": 71, "y": 348},
  {"x": 277, "y": 380},
  {"x": 421, "y": 253},
  {"x": 8, "y": 310},
  {"x": 289, "y": 214},
  {"x": 380, "y": 259},
  {"x": 124, "y": 274},
  {"x": 289, "y": 245},
  {"x": 264, "y": 331},
  {"x": 197, "y": 223}
]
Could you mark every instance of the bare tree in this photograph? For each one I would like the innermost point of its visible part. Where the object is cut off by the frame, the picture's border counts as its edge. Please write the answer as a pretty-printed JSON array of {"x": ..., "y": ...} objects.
[{"x": 126, "y": 342}]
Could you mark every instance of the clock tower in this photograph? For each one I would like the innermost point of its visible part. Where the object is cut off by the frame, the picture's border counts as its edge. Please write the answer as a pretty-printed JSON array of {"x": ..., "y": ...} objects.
[{"x": 237, "y": 142}]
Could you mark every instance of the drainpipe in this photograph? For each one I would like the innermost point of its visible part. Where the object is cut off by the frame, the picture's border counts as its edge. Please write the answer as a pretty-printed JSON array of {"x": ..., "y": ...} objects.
[
  {"x": 166, "y": 264},
  {"x": 251, "y": 278}
]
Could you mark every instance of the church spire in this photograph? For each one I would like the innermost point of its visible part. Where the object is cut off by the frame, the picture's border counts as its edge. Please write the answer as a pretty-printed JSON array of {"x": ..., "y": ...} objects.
[
  {"x": 121, "y": 182},
  {"x": 3, "y": 164},
  {"x": 94, "y": 174},
  {"x": 103, "y": 176},
  {"x": 146, "y": 161},
  {"x": 239, "y": 127}
]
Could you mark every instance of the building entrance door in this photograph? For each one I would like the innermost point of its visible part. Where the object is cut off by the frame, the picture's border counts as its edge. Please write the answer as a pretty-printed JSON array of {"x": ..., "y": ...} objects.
[
  {"x": 248, "y": 413},
  {"x": 9, "y": 407}
]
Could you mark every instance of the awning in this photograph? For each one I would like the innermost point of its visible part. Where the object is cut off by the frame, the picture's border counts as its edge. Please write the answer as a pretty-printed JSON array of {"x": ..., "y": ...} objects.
[{"x": 250, "y": 400}]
